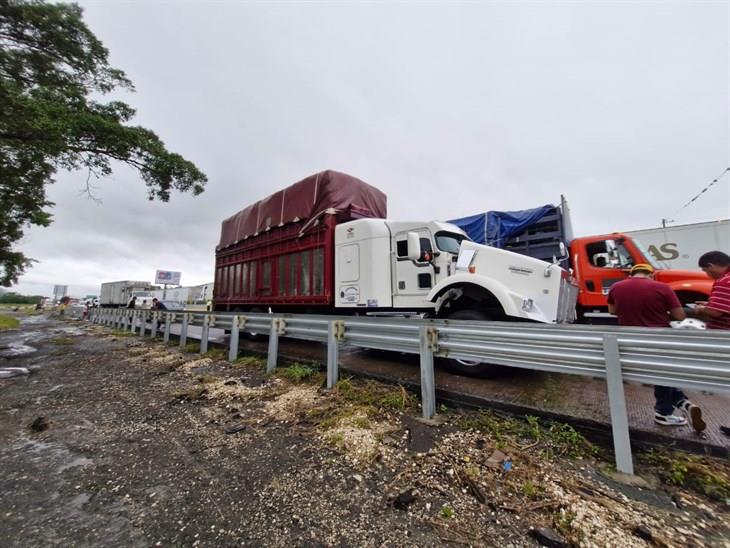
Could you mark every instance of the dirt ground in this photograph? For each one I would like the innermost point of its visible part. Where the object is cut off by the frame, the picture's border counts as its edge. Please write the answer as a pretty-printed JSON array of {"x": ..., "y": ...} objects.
[{"x": 116, "y": 441}]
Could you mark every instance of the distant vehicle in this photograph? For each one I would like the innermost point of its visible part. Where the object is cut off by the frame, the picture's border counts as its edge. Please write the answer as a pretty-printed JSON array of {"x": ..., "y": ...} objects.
[{"x": 118, "y": 294}]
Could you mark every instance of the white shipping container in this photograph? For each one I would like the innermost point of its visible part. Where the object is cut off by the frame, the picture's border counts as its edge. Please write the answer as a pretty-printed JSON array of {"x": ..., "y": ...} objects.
[
  {"x": 119, "y": 293},
  {"x": 680, "y": 246}
]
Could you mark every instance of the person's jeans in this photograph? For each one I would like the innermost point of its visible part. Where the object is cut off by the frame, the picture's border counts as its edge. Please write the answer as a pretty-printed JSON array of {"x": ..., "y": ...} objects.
[{"x": 667, "y": 398}]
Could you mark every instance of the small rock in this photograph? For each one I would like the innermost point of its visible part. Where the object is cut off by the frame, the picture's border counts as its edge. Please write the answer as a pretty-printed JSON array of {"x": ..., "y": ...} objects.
[
  {"x": 642, "y": 531},
  {"x": 39, "y": 425},
  {"x": 357, "y": 478},
  {"x": 235, "y": 428},
  {"x": 548, "y": 537},
  {"x": 403, "y": 500}
]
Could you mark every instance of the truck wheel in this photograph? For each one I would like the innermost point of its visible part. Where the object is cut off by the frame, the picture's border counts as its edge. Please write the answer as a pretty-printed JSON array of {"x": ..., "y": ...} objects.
[{"x": 470, "y": 368}]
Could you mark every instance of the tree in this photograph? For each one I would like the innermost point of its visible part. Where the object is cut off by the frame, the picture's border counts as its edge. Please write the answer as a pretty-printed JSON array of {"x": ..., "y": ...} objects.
[{"x": 50, "y": 66}]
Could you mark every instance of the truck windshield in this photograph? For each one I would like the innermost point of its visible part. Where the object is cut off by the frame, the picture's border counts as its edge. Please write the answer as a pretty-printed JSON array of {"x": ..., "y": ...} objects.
[
  {"x": 448, "y": 242},
  {"x": 647, "y": 256}
]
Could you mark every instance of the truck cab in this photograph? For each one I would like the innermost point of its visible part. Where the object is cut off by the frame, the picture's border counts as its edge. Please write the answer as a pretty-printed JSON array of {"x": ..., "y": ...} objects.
[
  {"x": 433, "y": 268},
  {"x": 600, "y": 261}
]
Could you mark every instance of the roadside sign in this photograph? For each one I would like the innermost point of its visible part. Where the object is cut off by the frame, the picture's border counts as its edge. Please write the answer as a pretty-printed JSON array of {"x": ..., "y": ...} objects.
[{"x": 167, "y": 277}]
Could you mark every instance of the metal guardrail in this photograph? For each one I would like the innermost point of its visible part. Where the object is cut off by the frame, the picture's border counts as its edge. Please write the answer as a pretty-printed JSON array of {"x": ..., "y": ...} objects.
[{"x": 679, "y": 358}]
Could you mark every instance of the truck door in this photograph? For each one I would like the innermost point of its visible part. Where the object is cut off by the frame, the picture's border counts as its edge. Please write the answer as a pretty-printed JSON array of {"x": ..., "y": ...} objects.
[
  {"x": 412, "y": 279},
  {"x": 607, "y": 261}
]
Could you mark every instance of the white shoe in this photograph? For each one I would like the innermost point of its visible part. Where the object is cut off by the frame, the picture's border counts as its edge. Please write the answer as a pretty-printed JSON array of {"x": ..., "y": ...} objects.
[
  {"x": 669, "y": 420},
  {"x": 693, "y": 414}
]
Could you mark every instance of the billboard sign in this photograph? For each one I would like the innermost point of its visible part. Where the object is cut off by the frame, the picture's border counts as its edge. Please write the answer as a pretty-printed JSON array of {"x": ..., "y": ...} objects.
[
  {"x": 60, "y": 291},
  {"x": 167, "y": 277}
]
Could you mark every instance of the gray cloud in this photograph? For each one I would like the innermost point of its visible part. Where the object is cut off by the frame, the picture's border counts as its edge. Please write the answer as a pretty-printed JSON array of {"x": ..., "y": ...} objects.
[{"x": 449, "y": 108}]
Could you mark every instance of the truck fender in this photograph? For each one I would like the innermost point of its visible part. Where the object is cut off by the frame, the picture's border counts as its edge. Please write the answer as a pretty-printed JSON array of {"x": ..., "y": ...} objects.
[
  {"x": 497, "y": 289},
  {"x": 692, "y": 286}
]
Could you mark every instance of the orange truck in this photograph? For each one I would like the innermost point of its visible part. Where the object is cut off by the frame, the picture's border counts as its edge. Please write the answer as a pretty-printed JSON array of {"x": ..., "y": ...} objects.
[{"x": 596, "y": 262}]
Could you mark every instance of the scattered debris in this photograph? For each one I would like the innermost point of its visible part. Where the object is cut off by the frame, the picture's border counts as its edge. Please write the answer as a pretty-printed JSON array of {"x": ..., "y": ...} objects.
[
  {"x": 548, "y": 537},
  {"x": 40, "y": 424},
  {"x": 9, "y": 372},
  {"x": 236, "y": 428}
]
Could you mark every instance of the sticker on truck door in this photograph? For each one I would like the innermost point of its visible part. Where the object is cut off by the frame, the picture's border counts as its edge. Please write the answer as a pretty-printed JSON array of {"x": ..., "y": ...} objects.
[{"x": 350, "y": 294}]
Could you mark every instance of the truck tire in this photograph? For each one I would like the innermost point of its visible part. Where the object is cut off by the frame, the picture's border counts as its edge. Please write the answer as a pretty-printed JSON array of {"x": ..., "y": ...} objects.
[{"x": 470, "y": 368}]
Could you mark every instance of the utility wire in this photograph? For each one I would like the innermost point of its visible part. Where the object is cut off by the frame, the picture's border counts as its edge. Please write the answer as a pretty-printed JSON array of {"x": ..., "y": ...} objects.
[{"x": 700, "y": 193}]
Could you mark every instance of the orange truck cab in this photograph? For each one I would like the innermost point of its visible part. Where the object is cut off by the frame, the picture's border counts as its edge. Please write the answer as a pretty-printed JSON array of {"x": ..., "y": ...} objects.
[{"x": 598, "y": 262}]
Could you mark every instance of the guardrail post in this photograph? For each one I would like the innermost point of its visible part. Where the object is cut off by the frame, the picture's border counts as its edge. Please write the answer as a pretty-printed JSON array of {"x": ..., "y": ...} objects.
[
  {"x": 334, "y": 328},
  {"x": 124, "y": 320},
  {"x": 204, "y": 335},
  {"x": 184, "y": 331},
  {"x": 233, "y": 343},
  {"x": 617, "y": 405},
  {"x": 428, "y": 341},
  {"x": 132, "y": 318},
  {"x": 118, "y": 319},
  {"x": 142, "y": 323},
  {"x": 169, "y": 318},
  {"x": 271, "y": 358},
  {"x": 155, "y": 323}
]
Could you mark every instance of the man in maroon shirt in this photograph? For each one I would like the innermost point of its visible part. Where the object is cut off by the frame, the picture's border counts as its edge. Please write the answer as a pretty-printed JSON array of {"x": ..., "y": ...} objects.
[
  {"x": 716, "y": 312},
  {"x": 640, "y": 301}
]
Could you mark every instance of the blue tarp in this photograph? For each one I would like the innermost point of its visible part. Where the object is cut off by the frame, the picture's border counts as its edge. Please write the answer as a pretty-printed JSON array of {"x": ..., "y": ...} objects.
[{"x": 496, "y": 227}]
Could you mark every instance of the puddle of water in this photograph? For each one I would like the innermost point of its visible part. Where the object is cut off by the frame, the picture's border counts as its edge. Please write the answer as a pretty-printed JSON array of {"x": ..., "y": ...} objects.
[
  {"x": 78, "y": 461},
  {"x": 10, "y": 372},
  {"x": 15, "y": 350}
]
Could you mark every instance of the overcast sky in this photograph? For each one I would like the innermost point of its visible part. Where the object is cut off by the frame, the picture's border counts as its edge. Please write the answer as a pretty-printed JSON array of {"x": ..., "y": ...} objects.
[{"x": 450, "y": 109}]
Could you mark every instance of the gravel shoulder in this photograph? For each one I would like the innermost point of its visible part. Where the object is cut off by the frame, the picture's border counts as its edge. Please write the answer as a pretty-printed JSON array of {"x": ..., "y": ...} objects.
[{"x": 113, "y": 440}]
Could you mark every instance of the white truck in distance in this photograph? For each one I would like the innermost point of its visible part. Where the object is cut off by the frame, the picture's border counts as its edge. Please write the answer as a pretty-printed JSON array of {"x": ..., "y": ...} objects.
[{"x": 433, "y": 267}]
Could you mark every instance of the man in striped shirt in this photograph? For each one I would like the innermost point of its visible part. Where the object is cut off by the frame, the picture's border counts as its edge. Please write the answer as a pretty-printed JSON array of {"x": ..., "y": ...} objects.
[{"x": 716, "y": 312}]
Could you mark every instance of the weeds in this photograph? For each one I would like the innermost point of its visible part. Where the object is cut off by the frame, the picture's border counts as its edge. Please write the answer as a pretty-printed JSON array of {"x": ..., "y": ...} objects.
[
  {"x": 216, "y": 353},
  {"x": 447, "y": 512},
  {"x": 245, "y": 361},
  {"x": 192, "y": 348},
  {"x": 556, "y": 439},
  {"x": 692, "y": 472},
  {"x": 298, "y": 372}
]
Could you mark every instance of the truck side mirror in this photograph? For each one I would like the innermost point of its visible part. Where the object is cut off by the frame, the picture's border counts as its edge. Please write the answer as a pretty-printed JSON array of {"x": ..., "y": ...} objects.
[{"x": 414, "y": 246}]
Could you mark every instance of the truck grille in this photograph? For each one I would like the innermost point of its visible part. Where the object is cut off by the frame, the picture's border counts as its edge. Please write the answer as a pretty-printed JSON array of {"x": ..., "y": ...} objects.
[{"x": 566, "y": 301}]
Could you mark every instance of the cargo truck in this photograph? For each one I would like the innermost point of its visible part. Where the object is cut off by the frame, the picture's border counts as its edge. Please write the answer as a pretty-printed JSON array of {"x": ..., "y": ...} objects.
[
  {"x": 680, "y": 246},
  {"x": 117, "y": 294},
  {"x": 323, "y": 245},
  {"x": 596, "y": 262}
]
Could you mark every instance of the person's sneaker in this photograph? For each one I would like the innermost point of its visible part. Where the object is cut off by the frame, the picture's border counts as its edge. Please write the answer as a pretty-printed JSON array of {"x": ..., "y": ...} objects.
[
  {"x": 693, "y": 414},
  {"x": 669, "y": 420}
]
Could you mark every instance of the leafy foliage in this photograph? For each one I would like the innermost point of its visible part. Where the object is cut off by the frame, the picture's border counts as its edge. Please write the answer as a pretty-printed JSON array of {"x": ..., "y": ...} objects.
[
  {"x": 15, "y": 298},
  {"x": 51, "y": 65}
]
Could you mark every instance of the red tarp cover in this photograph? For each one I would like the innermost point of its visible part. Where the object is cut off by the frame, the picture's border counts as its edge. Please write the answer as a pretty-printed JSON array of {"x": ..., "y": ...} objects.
[{"x": 350, "y": 198}]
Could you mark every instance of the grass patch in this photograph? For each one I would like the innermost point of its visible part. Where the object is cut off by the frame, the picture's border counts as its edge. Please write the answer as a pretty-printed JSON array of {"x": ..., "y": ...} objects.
[
  {"x": 192, "y": 348},
  {"x": 120, "y": 333},
  {"x": 555, "y": 438},
  {"x": 374, "y": 394},
  {"x": 447, "y": 512},
  {"x": 62, "y": 341},
  {"x": 245, "y": 361},
  {"x": 8, "y": 322},
  {"x": 298, "y": 372},
  {"x": 697, "y": 473},
  {"x": 216, "y": 353}
]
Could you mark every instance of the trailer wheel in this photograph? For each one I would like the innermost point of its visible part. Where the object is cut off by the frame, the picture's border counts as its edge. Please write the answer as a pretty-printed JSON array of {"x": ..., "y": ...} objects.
[{"x": 470, "y": 368}]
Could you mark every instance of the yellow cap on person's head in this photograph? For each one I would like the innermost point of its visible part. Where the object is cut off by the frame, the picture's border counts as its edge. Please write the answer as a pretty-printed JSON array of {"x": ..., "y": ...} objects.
[{"x": 642, "y": 267}]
